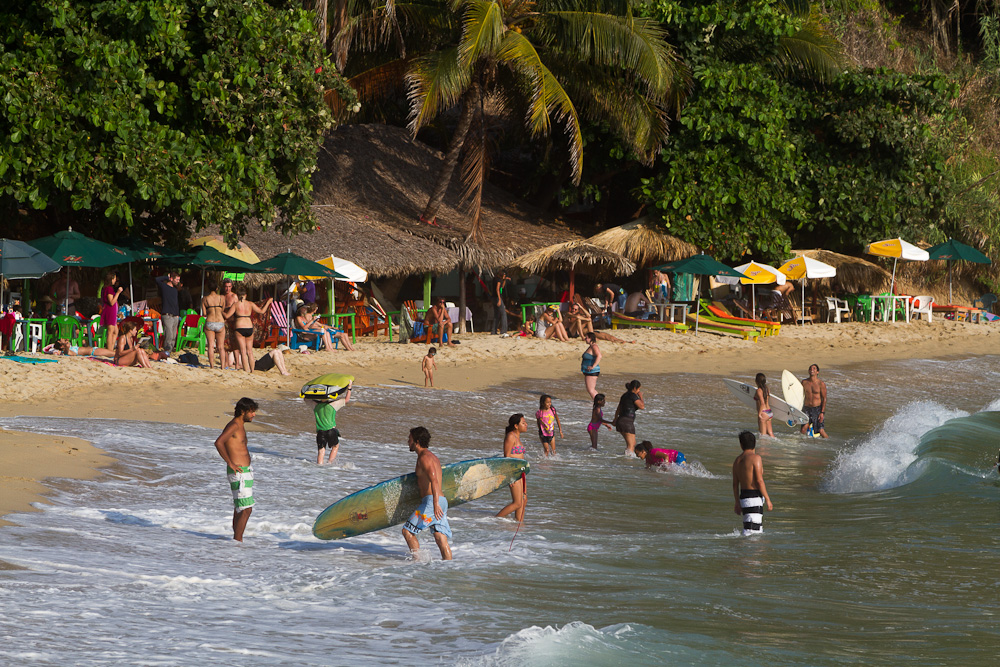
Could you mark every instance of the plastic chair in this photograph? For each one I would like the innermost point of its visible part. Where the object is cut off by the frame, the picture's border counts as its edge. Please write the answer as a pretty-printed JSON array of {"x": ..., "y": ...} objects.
[
  {"x": 985, "y": 302},
  {"x": 68, "y": 327},
  {"x": 192, "y": 331},
  {"x": 922, "y": 305},
  {"x": 299, "y": 337},
  {"x": 837, "y": 310},
  {"x": 97, "y": 334}
]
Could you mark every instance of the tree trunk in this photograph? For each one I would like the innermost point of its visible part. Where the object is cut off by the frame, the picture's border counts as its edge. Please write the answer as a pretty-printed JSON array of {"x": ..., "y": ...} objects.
[
  {"x": 321, "y": 9},
  {"x": 461, "y": 299},
  {"x": 469, "y": 102}
]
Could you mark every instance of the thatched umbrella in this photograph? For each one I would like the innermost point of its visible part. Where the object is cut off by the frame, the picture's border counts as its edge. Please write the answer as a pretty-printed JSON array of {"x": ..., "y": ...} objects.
[
  {"x": 854, "y": 274},
  {"x": 644, "y": 242},
  {"x": 575, "y": 256}
]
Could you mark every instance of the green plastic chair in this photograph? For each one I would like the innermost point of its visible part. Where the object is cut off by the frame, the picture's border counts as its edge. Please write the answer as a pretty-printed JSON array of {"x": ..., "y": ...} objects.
[
  {"x": 863, "y": 309},
  {"x": 68, "y": 327},
  {"x": 97, "y": 334},
  {"x": 192, "y": 332}
]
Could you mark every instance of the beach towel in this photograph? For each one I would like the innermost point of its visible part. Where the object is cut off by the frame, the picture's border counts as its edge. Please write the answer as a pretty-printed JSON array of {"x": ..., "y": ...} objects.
[
  {"x": 104, "y": 361},
  {"x": 30, "y": 360}
]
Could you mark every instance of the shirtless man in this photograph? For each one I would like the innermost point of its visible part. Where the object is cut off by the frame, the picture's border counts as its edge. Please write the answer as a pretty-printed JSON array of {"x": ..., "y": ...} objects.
[
  {"x": 748, "y": 485},
  {"x": 438, "y": 323},
  {"x": 433, "y": 509},
  {"x": 232, "y": 446},
  {"x": 814, "y": 404}
]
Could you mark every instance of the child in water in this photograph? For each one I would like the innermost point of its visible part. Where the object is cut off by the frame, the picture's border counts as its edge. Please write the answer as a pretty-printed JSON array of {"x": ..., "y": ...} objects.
[
  {"x": 428, "y": 365},
  {"x": 327, "y": 435},
  {"x": 657, "y": 457},
  {"x": 547, "y": 420},
  {"x": 762, "y": 397},
  {"x": 596, "y": 420}
]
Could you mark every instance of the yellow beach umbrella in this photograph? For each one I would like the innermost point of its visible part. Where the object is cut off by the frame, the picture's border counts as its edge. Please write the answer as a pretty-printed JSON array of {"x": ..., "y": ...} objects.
[
  {"x": 897, "y": 249},
  {"x": 756, "y": 274},
  {"x": 802, "y": 267},
  {"x": 242, "y": 251}
]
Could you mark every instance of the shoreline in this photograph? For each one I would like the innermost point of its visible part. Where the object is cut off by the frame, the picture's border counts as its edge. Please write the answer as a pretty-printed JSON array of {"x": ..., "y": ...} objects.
[{"x": 172, "y": 393}]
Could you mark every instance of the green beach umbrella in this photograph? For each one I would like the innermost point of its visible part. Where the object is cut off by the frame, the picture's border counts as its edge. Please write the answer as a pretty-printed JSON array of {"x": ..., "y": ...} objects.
[
  {"x": 71, "y": 248},
  {"x": 700, "y": 265},
  {"x": 145, "y": 251},
  {"x": 952, "y": 250},
  {"x": 290, "y": 264},
  {"x": 20, "y": 260}
]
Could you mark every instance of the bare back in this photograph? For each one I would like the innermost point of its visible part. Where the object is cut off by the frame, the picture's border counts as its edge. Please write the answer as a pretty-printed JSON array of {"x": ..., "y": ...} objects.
[
  {"x": 748, "y": 471},
  {"x": 428, "y": 472}
]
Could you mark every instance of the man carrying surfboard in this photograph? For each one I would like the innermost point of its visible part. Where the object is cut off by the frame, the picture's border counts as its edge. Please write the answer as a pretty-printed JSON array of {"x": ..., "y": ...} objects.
[
  {"x": 432, "y": 512},
  {"x": 814, "y": 403},
  {"x": 232, "y": 446}
]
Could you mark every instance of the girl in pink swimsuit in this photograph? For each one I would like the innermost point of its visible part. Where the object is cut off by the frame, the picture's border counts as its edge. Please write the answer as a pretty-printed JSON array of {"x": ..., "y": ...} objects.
[
  {"x": 514, "y": 448},
  {"x": 596, "y": 420}
]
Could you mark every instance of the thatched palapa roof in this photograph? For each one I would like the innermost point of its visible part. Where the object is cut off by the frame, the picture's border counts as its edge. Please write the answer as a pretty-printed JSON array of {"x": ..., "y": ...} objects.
[
  {"x": 580, "y": 256},
  {"x": 644, "y": 242},
  {"x": 378, "y": 173},
  {"x": 854, "y": 274},
  {"x": 381, "y": 250}
]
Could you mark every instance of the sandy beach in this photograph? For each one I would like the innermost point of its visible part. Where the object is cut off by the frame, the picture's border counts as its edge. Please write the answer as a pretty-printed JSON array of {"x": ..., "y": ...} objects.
[{"x": 84, "y": 388}]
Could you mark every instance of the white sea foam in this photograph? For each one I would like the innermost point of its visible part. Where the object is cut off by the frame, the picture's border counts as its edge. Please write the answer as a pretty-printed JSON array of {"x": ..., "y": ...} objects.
[{"x": 885, "y": 458}]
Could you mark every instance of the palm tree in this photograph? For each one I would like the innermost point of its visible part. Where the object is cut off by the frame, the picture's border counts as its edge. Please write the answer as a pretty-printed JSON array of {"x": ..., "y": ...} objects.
[{"x": 554, "y": 61}]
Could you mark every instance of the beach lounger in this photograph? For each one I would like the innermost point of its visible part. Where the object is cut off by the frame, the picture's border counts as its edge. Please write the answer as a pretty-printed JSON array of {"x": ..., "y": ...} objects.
[
  {"x": 746, "y": 333},
  {"x": 716, "y": 312},
  {"x": 619, "y": 320}
]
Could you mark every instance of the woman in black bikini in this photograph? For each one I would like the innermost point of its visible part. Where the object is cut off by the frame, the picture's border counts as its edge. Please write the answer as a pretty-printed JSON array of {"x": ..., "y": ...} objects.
[
  {"x": 127, "y": 351},
  {"x": 212, "y": 307},
  {"x": 243, "y": 325}
]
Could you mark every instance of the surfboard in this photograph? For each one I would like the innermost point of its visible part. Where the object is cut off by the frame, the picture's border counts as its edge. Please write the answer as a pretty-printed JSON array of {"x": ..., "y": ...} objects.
[
  {"x": 792, "y": 390},
  {"x": 783, "y": 412},
  {"x": 392, "y": 502},
  {"x": 327, "y": 387}
]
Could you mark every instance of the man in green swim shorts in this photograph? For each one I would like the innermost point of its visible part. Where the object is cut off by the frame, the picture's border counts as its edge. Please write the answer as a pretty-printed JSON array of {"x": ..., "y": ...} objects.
[{"x": 232, "y": 447}]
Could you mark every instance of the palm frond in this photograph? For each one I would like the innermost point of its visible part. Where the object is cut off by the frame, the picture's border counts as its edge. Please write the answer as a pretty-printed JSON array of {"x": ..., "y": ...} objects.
[
  {"x": 380, "y": 81},
  {"x": 635, "y": 44},
  {"x": 482, "y": 30},
  {"x": 547, "y": 96},
  {"x": 436, "y": 82},
  {"x": 813, "y": 49}
]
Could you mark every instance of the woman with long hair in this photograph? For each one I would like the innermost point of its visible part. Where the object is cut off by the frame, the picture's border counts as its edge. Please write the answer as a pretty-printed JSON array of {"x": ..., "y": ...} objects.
[
  {"x": 514, "y": 448},
  {"x": 243, "y": 325},
  {"x": 590, "y": 363},
  {"x": 624, "y": 421},
  {"x": 763, "y": 399},
  {"x": 109, "y": 306},
  {"x": 127, "y": 350},
  {"x": 213, "y": 305}
]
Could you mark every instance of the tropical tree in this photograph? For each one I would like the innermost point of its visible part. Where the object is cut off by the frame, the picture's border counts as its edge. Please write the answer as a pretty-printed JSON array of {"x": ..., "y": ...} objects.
[{"x": 546, "y": 62}]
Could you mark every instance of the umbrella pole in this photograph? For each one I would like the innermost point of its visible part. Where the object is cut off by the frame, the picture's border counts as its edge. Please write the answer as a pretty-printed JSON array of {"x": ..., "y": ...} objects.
[
  {"x": 950, "y": 301},
  {"x": 66, "y": 299},
  {"x": 802, "y": 314},
  {"x": 572, "y": 282},
  {"x": 130, "y": 299},
  {"x": 892, "y": 283}
]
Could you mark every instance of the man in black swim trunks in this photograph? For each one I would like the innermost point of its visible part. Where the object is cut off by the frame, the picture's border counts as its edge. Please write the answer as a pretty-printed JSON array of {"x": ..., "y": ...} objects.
[{"x": 814, "y": 403}]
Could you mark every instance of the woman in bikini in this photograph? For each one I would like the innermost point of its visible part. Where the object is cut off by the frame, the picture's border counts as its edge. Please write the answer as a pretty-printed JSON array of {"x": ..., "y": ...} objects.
[
  {"x": 763, "y": 399},
  {"x": 127, "y": 350},
  {"x": 243, "y": 325},
  {"x": 306, "y": 319},
  {"x": 513, "y": 448},
  {"x": 65, "y": 347},
  {"x": 212, "y": 307}
]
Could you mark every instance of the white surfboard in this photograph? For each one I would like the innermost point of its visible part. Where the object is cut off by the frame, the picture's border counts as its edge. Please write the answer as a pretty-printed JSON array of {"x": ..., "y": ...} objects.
[
  {"x": 791, "y": 389},
  {"x": 783, "y": 412}
]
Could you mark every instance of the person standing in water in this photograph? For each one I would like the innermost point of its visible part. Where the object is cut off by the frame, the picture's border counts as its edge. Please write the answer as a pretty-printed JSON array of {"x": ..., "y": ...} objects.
[
  {"x": 433, "y": 509},
  {"x": 590, "y": 363},
  {"x": 814, "y": 403},
  {"x": 749, "y": 490},
  {"x": 762, "y": 398},
  {"x": 514, "y": 448},
  {"x": 232, "y": 447},
  {"x": 547, "y": 419},
  {"x": 624, "y": 419},
  {"x": 597, "y": 420}
]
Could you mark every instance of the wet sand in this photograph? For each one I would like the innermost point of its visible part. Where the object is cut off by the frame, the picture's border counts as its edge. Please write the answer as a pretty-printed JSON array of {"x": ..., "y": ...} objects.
[{"x": 173, "y": 393}]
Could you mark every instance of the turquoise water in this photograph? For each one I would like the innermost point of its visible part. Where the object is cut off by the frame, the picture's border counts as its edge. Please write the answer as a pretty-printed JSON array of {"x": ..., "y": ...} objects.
[{"x": 881, "y": 548}]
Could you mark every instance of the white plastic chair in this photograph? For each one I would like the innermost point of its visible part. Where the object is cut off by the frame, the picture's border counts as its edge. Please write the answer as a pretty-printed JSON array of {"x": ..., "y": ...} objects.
[
  {"x": 836, "y": 309},
  {"x": 922, "y": 305}
]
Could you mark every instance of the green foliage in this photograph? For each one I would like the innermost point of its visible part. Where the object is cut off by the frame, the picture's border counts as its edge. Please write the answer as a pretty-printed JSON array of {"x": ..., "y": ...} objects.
[
  {"x": 762, "y": 158},
  {"x": 208, "y": 111}
]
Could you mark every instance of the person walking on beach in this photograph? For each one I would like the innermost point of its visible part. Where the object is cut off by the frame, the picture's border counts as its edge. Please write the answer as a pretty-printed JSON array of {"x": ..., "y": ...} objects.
[
  {"x": 428, "y": 366},
  {"x": 548, "y": 420},
  {"x": 232, "y": 447},
  {"x": 597, "y": 420},
  {"x": 814, "y": 404},
  {"x": 170, "y": 313},
  {"x": 624, "y": 419},
  {"x": 749, "y": 490},
  {"x": 590, "y": 363},
  {"x": 762, "y": 398},
  {"x": 433, "y": 509},
  {"x": 514, "y": 448}
]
